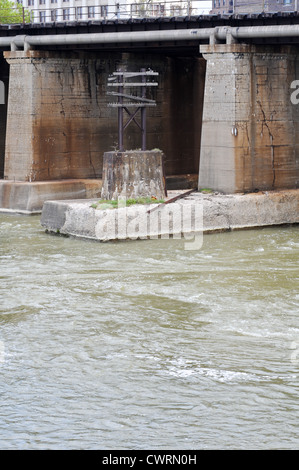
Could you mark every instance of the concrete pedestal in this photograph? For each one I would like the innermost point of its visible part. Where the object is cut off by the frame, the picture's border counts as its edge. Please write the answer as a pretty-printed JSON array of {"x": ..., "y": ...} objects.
[
  {"x": 133, "y": 174},
  {"x": 28, "y": 198}
]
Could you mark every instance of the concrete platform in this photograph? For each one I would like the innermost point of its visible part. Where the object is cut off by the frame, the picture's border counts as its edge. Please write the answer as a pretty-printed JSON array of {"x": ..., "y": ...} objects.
[
  {"x": 28, "y": 198},
  {"x": 196, "y": 213}
]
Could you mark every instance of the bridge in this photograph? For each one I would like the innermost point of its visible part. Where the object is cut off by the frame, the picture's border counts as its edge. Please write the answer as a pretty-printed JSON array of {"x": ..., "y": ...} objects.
[{"x": 226, "y": 118}]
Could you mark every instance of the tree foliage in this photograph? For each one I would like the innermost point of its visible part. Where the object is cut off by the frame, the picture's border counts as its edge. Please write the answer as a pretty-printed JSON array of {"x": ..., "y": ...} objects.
[{"x": 11, "y": 12}]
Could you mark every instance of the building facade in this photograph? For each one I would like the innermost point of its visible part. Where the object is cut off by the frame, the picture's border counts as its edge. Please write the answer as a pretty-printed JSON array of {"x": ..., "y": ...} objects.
[
  {"x": 253, "y": 6},
  {"x": 44, "y": 11}
]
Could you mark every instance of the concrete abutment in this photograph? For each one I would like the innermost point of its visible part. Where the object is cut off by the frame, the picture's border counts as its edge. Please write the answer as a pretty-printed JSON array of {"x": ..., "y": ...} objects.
[
  {"x": 51, "y": 119},
  {"x": 250, "y": 126}
]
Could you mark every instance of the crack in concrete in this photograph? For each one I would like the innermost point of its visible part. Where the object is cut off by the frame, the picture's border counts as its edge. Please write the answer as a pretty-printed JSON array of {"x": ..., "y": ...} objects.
[
  {"x": 92, "y": 165},
  {"x": 265, "y": 123}
]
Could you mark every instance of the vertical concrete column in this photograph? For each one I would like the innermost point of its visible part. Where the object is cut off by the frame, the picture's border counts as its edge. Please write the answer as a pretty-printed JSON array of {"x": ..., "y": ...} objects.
[
  {"x": 249, "y": 122},
  {"x": 52, "y": 119},
  {"x": 4, "y": 76}
]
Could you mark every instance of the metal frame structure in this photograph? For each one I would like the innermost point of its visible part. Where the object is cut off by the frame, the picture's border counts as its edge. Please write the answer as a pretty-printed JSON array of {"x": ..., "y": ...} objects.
[{"x": 121, "y": 80}]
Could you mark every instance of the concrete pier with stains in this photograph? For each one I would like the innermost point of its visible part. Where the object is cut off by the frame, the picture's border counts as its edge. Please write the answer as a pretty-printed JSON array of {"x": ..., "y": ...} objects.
[
  {"x": 59, "y": 126},
  {"x": 250, "y": 126},
  {"x": 224, "y": 114}
]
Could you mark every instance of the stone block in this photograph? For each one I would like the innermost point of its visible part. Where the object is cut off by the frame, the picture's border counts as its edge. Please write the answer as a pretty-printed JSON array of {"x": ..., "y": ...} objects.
[{"x": 133, "y": 174}]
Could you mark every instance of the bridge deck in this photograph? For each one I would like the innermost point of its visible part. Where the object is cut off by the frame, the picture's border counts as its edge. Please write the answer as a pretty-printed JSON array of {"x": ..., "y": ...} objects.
[{"x": 154, "y": 24}]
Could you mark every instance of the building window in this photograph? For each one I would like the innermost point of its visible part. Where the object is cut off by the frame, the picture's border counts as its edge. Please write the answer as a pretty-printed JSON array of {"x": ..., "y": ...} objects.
[
  {"x": 79, "y": 12},
  {"x": 134, "y": 9},
  {"x": 42, "y": 16},
  {"x": 104, "y": 10},
  {"x": 175, "y": 10},
  {"x": 66, "y": 14},
  {"x": 91, "y": 12},
  {"x": 53, "y": 1},
  {"x": 30, "y": 3},
  {"x": 158, "y": 9},
  {"x": 54, "y": 15},
  {"x": 42, "y": 2}
]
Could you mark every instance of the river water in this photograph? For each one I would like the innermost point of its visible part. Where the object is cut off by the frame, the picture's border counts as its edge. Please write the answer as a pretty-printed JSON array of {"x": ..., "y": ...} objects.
[{"x": 146, "y": 345}]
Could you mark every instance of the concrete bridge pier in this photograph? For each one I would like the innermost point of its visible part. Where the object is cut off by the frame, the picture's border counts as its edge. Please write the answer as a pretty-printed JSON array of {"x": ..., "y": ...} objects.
[
  {"x": 59, "y": 126},
  {"x": 250, "y": 125},
  {"x": 51, "y": 141}
]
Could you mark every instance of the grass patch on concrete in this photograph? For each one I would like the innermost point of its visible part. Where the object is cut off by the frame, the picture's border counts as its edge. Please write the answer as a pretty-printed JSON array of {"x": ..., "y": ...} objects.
[
  {"x": 115, "y": 204},
  {"x": 206, "y": 190}
]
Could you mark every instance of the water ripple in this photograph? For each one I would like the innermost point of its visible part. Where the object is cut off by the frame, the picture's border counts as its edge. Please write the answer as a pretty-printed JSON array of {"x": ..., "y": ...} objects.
[{"x": 144, "y": 345}]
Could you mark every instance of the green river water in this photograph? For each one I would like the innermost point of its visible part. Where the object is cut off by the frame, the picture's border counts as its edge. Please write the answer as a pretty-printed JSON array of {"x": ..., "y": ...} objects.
[{"x": 145, "y": 345}]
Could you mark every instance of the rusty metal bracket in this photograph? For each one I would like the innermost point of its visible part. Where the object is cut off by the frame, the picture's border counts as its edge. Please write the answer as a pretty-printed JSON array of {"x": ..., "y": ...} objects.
[{"x": 138, "y": 102}]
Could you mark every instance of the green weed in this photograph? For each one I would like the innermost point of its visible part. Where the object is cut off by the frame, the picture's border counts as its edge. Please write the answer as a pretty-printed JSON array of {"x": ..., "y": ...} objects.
[{"x": 114, "y": 204}]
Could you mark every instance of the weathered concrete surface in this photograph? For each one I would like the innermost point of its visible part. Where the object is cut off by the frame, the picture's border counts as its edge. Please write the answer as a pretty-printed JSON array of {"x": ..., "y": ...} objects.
[
  {"x": 51, "y": 119},
  {"x": 133, "y": 174},
  {"x": 4, "y": 78},
  {"x": 250, "y": 126},
  {"x": 219, "y": 213},
  {"x": 59, "y": 124},
  {"x": 28, "y": 198},
  {"x": 177, "y": 182}
]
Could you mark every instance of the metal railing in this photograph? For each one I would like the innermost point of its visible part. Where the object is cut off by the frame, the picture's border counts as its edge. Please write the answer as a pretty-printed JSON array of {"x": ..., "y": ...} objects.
[
  {"x": 254, "y": 6},
  {"x": 65, "y": 10}
]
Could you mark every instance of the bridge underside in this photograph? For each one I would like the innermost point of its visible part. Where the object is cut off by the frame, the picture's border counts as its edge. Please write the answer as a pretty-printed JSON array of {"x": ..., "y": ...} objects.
[
  {"x": 224, "y": 117},
  {"x": 59, "y": 124}
]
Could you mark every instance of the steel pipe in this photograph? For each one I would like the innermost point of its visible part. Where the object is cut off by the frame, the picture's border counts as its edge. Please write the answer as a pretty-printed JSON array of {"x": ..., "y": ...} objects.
[
  {"x": 265, "y": 31},
  {"x": 6, "y": 41},
  {"x": 220, "y": 33},
  {"x": 126, "y": 37},
  {"x": 106, "y": 38}
]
